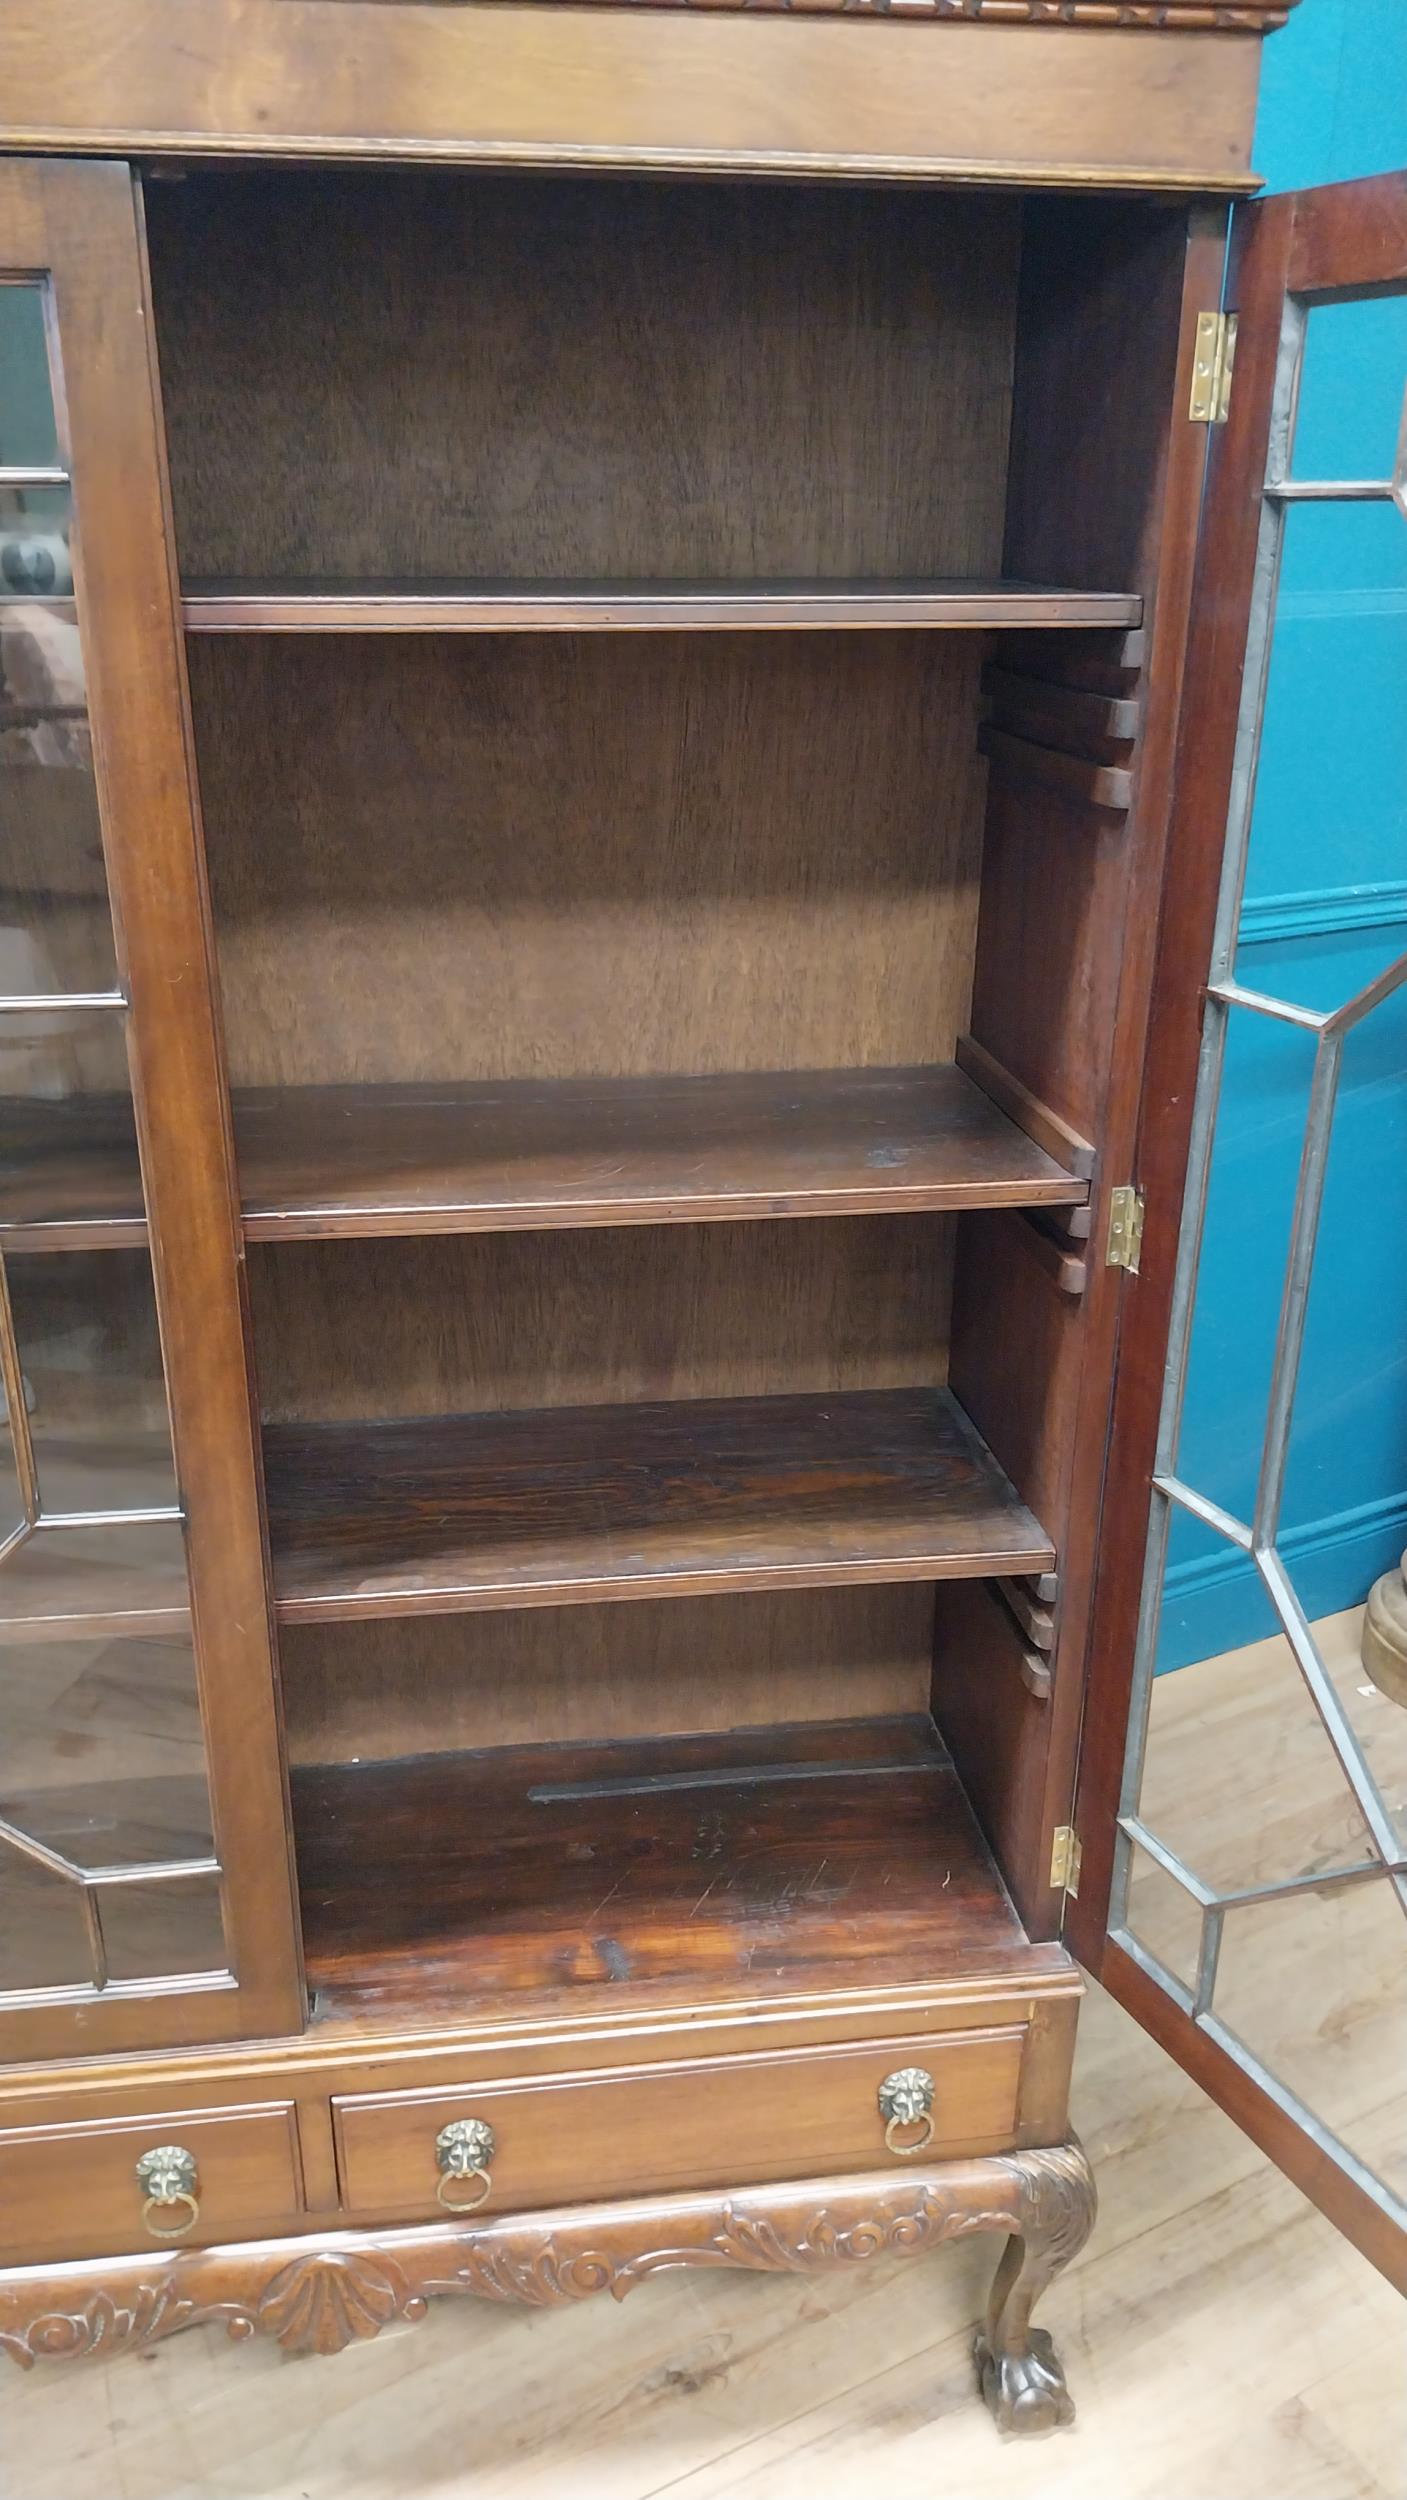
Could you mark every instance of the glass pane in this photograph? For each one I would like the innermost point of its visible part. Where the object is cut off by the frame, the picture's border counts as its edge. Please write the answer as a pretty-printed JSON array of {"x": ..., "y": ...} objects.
[
  {"x": 1352, "y": 385},
  {"x": 68, "y": 1141},
  {"x": 67, "y": 1583},
  {"x": 55, "y": 925},
  {"x": 101, "y": 1755},
  {"x": 11, "y": 1498},
  {"x": 1331, "y": 792},
  {"x": 1240, "y": 1778},
  {"x": 102, "y": 1762},
  {"x": 43, "y": 1939},
  {"x": 157, "y": 1931},
  {"x": 28, "y": 439},
  {"x": 35, "y": 527},
  {"x": 1316, "y": 1987},
  {"x": 1165, "y": 1918},
  {"x": 90, "y": 1356},
  {"x": 1255, "y": 1167}
]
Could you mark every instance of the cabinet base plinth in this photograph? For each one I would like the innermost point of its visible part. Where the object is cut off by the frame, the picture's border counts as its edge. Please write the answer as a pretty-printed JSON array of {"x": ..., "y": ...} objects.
[{"x": 321, "y": 2293}]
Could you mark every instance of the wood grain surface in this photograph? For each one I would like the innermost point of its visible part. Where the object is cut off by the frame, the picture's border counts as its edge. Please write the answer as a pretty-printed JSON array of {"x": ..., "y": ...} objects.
[
  {"x": 439, "y": 1514},
  {"x": 534, "y": 1674},
  {"x": 669, "y": 383},
  {"x": 799, "y": 1857},
  {"x": 661, "y": 855}
]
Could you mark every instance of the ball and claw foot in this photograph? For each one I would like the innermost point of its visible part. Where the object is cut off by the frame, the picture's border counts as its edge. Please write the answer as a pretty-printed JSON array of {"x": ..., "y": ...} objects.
[
  {"x": 1022, "y": 2382},
  {"x": 1024, "y": 2392}
]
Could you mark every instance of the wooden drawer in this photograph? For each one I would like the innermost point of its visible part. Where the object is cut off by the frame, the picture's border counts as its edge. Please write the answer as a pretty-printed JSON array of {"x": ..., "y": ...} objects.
[
  {"x": 73, "y": 2191},
  {"x": 708, "y": 2123}
]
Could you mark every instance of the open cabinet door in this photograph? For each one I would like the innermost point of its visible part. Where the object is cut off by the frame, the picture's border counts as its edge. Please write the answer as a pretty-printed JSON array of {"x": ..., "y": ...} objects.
[{"x": 1244, "y": 1823}]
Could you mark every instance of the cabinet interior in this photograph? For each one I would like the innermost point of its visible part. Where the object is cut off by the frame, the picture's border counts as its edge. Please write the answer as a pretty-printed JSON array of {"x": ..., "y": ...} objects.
[{"x": 665, "y": 663}]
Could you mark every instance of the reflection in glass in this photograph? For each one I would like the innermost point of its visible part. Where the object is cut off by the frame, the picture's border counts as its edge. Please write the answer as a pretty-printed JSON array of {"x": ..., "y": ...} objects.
[
  {"x": 1352, "y": 386},
  {"x": 35, "y": 545},
  {"x": 85, "y": 1325},
  {"x": 43, "y": 1938},
  {"x": 158, "y": 1931},
  {"x": 28, "y": 437},
  {"x": 66, "y": 1583},
  {"x": 101, "y": 1753},
  {"x": 55, "y": 925},
  {"x": 68, "y": 1140}
]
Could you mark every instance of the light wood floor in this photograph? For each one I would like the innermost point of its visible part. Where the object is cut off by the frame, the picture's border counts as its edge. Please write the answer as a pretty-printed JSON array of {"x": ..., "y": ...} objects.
[{"x": 1221, "y": 2340}]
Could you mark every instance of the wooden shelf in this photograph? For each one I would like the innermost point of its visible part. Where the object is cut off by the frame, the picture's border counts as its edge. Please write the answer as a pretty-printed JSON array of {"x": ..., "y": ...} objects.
[
  {"x": 322, "y": 1161},
  {"x": 840, "y": 1854},
  {"x": 418, "y": 607},
  {"x": 319, "y": 1162},
  {"x": 571, "y": 1505}
]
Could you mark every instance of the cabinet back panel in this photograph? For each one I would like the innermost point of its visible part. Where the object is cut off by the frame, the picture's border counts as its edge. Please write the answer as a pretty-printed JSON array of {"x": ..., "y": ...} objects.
[
  {"x": 414, "y": 373},
  {"x": 466, "y": 857},
  {"x": 682, "y": 1666},
  {"x": 486, "y": 1322}
]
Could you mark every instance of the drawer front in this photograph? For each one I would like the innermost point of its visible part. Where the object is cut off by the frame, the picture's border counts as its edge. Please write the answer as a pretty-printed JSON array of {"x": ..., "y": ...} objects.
[
  {"x": 718, "y": 2123},
  {"x": 74, "y": 2191}
]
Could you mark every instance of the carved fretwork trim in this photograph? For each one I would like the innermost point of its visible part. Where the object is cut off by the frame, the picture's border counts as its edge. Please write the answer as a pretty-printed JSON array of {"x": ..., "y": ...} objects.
[
  {"x": 1217, "y": 17},
  {"x": 319, "y": 2295}
]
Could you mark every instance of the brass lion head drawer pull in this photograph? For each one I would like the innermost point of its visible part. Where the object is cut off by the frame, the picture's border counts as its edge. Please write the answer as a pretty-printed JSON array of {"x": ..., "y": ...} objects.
[
  {"x": 168, "y": 2179},
  {"x": 906, "y": 2102},
  {"x": 464, "y": 2150}
]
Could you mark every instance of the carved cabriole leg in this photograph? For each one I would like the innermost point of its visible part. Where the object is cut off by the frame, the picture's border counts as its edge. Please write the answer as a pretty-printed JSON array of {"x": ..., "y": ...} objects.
[
  {"x": 321, "y": 2294},
  {"x": 1019, "y": 2372}
]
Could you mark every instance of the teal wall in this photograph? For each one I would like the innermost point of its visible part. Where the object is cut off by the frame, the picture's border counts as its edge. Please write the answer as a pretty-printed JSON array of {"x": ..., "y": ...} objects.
[{"x": 1326, "y": 910}]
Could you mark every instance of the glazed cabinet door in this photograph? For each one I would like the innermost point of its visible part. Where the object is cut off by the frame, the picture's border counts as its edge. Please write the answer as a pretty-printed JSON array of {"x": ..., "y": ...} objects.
[
  {"x": 145, "y": 1893},
  {"x": 1244, "y": 1817}
]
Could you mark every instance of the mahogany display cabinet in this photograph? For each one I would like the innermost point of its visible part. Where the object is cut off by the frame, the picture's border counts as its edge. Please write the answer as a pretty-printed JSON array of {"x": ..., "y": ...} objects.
[{"x": 623, "y": 639}]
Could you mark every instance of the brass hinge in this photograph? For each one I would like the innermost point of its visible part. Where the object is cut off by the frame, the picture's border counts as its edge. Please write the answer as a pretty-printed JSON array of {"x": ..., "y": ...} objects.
[
  {"x": 1124, "y": 1245},
  {"x": 1213, "y": 357},
  {"x": 1065, "y": 1859}
]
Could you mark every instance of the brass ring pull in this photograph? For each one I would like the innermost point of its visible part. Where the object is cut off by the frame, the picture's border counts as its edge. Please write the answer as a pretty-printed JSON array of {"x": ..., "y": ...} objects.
[
  {"x": 171, "y": 2230},
  {"x": 464, "y": 2150},
  {"x": 905, "y": 2102},
  {"x": 168, "y": 2178}
]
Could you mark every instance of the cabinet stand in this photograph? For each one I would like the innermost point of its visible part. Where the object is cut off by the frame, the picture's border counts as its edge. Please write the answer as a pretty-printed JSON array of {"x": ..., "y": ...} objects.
[{"x": 319, "y": 2295}]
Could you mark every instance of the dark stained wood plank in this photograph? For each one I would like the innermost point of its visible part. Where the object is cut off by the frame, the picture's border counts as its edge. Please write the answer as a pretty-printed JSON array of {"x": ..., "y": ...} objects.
[
  {"x": 780, "y": 1858},
  {"x": 574, "y": 1504},
  {"x": 638, "y": 607},
  {"x": 320, "y": 1161}
]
